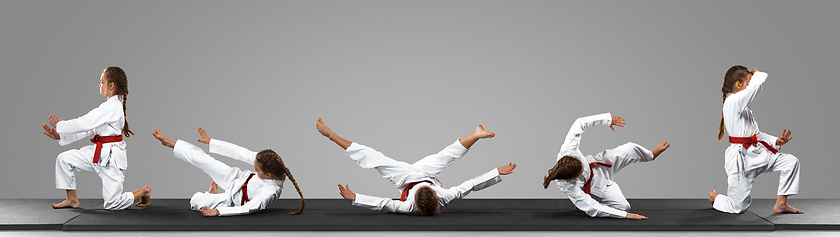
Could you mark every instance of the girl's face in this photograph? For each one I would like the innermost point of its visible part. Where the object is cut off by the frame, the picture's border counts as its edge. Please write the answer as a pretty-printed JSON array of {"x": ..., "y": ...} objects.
[
  {"x": 739, "y": 86},
  {"x": 106, "y": 88},
  {"x": 260, "y": 173}
]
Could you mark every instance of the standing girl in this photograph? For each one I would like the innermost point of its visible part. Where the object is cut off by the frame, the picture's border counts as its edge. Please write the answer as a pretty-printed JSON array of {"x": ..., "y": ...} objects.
[
  {"x": 752, "y": 152},
  {"x": 245, "y": 195},
  {"x": 107, "y": 157},
  {"x": 588, "y": 180},
  {"x": 422, "y": 192}
]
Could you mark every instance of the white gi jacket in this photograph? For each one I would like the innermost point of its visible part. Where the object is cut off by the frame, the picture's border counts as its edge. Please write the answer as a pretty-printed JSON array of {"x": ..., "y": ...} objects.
[
  {"x": 574, "y": 188},
  {"x": 106, "y": 120},
  {"x": 740, "y": 122},
  {"x": 446, "y": 195},
  {"x": 261, "y": 192}
]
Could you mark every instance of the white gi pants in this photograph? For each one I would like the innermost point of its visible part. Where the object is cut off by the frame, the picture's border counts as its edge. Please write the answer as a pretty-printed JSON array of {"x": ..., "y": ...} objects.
[
  {"x": 619, "y": 157},
  {"x": 737, "y": 198},
  {"x": 401, "y": 173},
  {"x": 221, "y": 173},
  {"x": 69, "y": 162}
]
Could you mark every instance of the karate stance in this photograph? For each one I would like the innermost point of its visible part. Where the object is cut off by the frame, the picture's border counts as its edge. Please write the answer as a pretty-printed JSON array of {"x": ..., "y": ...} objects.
[
  {"x": 588, "y": 180},
  {"x": 752, "y": 152},
  {"x": 422, "y": 192},
  {"x": 107, "y": 157},
  {"x": 245, "y": 194}
]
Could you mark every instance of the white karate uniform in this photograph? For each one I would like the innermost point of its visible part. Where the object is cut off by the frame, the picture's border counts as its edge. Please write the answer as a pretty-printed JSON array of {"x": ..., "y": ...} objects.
[
  {"x": 743, "y": 165},
  {"x": 261, "y": 192},
  {"x": 427, "y": 169},
  {"x": 605, "y": 198},
  {"x": 105, "y": 120}
]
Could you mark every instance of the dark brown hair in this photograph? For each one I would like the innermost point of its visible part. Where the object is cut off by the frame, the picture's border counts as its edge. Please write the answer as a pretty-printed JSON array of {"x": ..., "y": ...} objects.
[
  {"x": 271, "y": 163},
  {"x": 117, "y": 76},
  {"x": 426, "y": 201},
  {"x": 566, "y": 168},
  {"x": 735, "y": 73}
]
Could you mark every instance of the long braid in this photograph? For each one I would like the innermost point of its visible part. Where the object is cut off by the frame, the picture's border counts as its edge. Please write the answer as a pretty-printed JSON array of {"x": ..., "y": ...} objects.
[
  {"x": 566, "y": 168},
  {"x": 271, "y": 163},
  {"x": 117, "y": 76},
  {"x": 426, "y": 201},
  {"x": 302, "y": 201},
  {"x": 735, "y": 73}
]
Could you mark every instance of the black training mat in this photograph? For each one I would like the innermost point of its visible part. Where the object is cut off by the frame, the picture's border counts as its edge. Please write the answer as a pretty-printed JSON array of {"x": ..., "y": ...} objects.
[
  {"x": 461, "y": 215},
  {"x": 820, "y": 214},
  {"x": 37, "y": 214}
]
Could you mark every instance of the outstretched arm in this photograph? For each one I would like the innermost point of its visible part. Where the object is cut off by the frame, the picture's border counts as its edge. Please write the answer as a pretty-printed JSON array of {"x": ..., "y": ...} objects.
[
  {"x": 593, "y": 208},
  {"x": 324, "y": 130},
  {"x": 571, "y": 145},
  {"x": 375, "y": 203}
]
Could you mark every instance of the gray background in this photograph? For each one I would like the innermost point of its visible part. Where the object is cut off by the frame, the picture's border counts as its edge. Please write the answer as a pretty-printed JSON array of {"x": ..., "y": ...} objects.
[{"x": 410, "y": 77}]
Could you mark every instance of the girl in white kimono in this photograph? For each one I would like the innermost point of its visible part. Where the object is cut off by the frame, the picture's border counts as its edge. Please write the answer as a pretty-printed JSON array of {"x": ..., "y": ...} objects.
[
  {"x": 107, "y": 157},
  {"x": 245, "y": 194},
  {"x": 588, "y": 180},
  {"x": 422, "y": 192},
  {"x": 752, "y": 152}
]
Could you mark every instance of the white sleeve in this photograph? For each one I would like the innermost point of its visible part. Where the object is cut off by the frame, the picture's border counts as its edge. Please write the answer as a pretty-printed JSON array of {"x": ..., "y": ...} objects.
[
  {"x": 585, "y": 203},
  {"x": 379, "y": 204},
  {"x": 743, "y": 98},
  {"x": 73, "y": 137},
  {"x": 571, "y": 146},
  {"x": 478, "y": 183},
  {"x": 259, "y": 202},
  {"x": 95, "y": 118},
  {"x": 769, "y": 139},
  {"x": 232, "y": 150}
]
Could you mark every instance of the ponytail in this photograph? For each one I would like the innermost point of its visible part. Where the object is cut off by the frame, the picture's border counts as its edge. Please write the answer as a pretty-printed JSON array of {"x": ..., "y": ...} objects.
[
  {"x": 566, "y": 167},
  {"x": 117, "y": 76}
]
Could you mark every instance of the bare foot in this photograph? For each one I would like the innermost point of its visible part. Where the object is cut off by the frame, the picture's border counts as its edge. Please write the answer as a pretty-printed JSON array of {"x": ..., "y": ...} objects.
[
  {"x": 214, "y": 188},
  {"x": 323, "y": 129},
  {"x": 784, "y": 208},
  {"x": 712, "y": 196},
  {"x": 67, "y": 203},
  {"x": 660, "y": 148},
  {"x": 146, "y": 199},
  {"x": 163, "y": 139},
  {"x": 480, "y": 133}
]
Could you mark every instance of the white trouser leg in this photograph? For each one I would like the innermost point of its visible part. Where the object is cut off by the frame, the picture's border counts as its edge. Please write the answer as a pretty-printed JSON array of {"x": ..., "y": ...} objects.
[
  {"x": 202, "y": 199},
  {"x": 395, "y": 171},
  {"x": 433, "y": 164},
  {"x": 624, "y": 155},
  {"x": 112, "y": 187},
  {"x": 221, "y": 173},
  {"x": 614, "y": 198},
  {"x": 788, "y": 165},
  {"x": 737, "y": 198},
  {"x": 68, "y": 162}
]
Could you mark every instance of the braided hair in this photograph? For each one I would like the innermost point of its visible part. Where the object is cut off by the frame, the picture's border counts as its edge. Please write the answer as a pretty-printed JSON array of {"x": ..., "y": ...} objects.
[
  {"x": 271, "y": 163},
  {"x": 735, "y": 73},
  {"x": 426, "y": 201},
  {"x": 117, "y": 76},
  {"x": 566, "y": 168}
]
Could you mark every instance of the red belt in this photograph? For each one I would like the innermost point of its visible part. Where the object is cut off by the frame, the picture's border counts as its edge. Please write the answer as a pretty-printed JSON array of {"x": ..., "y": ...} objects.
[
  {"x": 588, "y": 185},
  {"x": 245, "y": 190},
  {"x": 99, "y": 140},
  {"x": 411, "y": 185},
  {"x": 748, "y": 141}
]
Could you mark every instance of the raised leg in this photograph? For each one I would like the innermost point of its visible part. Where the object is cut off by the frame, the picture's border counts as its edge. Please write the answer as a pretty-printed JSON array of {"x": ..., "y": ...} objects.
[
  {"x": 324, "y": 130},
  {"x": 218, "y": 171}
]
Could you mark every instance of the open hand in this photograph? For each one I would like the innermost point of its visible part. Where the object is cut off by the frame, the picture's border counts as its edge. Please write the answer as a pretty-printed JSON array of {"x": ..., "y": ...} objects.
[
  {"x": 346, "y": 193},
  {"x": 617, "y": 121},
  {"x": 204, "y": 137},
  {"x": 50, "y": 132},
  {"x": 506, "y": 169},
  {"x": 54, "y": 120},
  {"x": 784, "y": 139},
  {"x": 636, "y": 216},
  {"x": 209, "y": 212}
]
